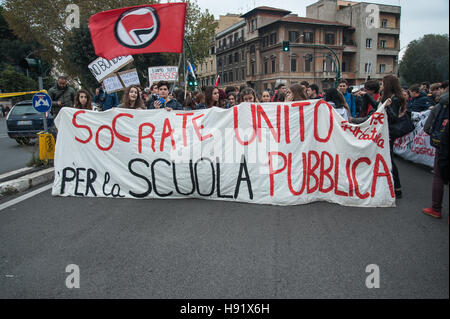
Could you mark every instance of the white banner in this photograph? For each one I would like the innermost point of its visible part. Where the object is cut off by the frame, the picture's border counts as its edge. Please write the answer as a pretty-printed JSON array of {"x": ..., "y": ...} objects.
[
  {"x": 162, "y": 73},
  {"x": 416, "y": 145},
  {"x": 101, "y": 68},
  {"x": 288, "y": 154}
]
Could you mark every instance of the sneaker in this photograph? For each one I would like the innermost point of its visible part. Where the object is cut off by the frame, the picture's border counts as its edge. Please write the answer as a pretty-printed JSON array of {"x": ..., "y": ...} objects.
[{"x": 431, "y": 212}]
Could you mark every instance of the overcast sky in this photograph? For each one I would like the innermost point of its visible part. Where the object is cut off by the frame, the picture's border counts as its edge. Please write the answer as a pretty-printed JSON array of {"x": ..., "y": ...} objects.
[{"x": 418, "y": 17}]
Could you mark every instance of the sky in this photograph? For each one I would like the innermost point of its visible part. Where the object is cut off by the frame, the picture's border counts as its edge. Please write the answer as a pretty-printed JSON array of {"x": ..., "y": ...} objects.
[{"x": 418, "y": 17}]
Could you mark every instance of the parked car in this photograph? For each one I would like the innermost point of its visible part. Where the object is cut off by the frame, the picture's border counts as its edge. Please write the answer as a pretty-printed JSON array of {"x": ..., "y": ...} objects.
[{"x": 24, "y": 122}]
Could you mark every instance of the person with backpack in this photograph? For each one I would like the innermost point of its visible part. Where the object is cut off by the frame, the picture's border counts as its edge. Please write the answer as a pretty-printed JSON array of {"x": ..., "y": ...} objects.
[{"x": 435, "y": 126}]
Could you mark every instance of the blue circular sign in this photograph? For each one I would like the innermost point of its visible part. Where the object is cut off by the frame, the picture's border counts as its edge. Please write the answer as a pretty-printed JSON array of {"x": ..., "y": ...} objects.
[{"x": 42, "y": 102}]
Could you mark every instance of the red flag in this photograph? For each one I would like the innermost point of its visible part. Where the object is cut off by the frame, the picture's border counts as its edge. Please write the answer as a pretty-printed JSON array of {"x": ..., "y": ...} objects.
[
  {"x": 138, "y": 29},
  {"x": 217, "y": 81}
]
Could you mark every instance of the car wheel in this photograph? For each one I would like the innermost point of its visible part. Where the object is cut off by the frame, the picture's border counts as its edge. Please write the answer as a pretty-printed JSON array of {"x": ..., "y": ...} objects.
[
  {"x": 19, "y": 140},
  {"x": 27, "y": 141}
]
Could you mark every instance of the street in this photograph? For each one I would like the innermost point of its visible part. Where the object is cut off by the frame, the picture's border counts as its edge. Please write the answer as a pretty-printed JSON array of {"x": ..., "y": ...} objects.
[
  {"x": 212, "y": 249},
  {"x": 13, "y": 155}
]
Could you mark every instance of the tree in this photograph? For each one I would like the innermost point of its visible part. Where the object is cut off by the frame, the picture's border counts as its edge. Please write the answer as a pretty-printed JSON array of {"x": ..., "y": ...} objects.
[
  {"x": 45, "y": 24},
  {"x": 426, "y": 59},
  {"x": 12, "y": 81}
]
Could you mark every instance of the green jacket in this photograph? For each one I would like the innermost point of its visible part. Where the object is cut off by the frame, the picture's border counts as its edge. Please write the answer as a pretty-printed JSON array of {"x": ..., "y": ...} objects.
[{"x": 66, "y": 96}]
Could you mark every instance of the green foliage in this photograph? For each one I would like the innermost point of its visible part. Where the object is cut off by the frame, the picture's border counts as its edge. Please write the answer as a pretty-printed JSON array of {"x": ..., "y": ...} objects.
[
  {"x": 426, "y": 59},
  {"x": 72, "y": 49},
  {"x": 12, "y": 81}
]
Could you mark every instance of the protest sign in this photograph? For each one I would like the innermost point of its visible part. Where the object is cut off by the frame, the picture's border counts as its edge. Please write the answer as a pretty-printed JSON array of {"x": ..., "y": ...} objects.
[
  {"x": 112, "y": 84},
  {"x": 162, "y": 73},
  {"x": 416, "y": 146},
  {"x": 281, "y": 154},
  {"x": 129, "y": 77},
  {"x": 101, "y": 68}
]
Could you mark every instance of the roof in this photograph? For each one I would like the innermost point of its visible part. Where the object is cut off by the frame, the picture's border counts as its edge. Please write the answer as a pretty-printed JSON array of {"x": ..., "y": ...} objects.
[
  {"x": 270, "y": 9},
  {"x": 307, "y": 20}
]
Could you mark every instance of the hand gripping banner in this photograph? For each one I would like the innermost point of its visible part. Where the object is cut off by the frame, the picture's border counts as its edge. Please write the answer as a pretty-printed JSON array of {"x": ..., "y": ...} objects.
[{"x": 280, "y": 154}]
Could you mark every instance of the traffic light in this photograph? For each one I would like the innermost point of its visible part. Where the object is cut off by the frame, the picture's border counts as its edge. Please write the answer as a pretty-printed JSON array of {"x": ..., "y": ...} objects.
[
  {"x": 192, "y": 82},
  {"x": 32, "y": 64},
  {"x": 286, "y": 46}
]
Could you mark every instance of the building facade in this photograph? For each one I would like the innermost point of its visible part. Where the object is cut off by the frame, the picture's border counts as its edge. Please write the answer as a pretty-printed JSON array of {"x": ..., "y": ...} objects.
[
  {"x": 375, "y": 43},
  {"x": 356, "y": 40}
]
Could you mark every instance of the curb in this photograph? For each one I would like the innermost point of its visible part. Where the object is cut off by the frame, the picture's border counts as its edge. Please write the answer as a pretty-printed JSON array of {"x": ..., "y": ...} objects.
[{"x": 26, "y": 182}]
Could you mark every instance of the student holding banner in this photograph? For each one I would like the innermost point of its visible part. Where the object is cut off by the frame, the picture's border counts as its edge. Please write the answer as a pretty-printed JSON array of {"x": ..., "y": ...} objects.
[
  {"x": 395, "y": 108},
  {"x": 296, "y": 92},
  {"x": 212, "y": 96},
  {"x": 164, "y": 101},
  {"x": 248, "y": 95},
  {"x": 132, "y": 99}
]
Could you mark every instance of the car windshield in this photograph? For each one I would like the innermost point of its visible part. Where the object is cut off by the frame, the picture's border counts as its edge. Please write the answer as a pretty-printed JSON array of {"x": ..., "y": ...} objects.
[{"x": 26, "y": 109}]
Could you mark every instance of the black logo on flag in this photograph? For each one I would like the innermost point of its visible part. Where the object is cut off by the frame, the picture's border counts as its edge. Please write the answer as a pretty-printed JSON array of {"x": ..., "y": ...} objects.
[{"x": 137, "y": 28}]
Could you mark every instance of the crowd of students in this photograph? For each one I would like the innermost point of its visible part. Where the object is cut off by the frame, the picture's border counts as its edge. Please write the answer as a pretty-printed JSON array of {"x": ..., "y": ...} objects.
[{"x": 355, "y": 105}]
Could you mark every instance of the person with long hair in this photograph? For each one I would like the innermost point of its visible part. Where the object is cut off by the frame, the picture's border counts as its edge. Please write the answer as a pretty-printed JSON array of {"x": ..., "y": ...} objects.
[
  {"x": 395, "y": 108},
  {"x": 337, "y": 100},
  {"x": 132, "y": 99},
  {"x": 265, "y": 97},
  {"x": 212, "y": 96},
  {"x": 248, "y": 95},
  {"x": 296, "y": 92},
  {"x": 232, "y": 99},
  {"x": 83, "y": 100},
  {"x": 199, "y": 100}
]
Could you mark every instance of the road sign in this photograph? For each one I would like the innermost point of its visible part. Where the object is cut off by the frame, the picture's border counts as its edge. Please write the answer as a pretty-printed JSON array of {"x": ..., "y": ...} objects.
[{"x": 42, "y": 102}]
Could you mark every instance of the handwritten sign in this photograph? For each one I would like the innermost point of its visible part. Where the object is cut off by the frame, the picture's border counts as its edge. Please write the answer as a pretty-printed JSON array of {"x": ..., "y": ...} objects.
[
  {"x": 129, "y": 77},
  {"x": 101, "y": 68},
  {"x": 163, "y": 73},
  {"x": 281, "y": 154},
  {"x": 112, "y": 84}
]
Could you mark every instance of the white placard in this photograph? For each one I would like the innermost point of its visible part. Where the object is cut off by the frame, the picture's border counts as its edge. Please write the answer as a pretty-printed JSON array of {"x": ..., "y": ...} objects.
[
  {"x": 129, "y": 77},
  {"x": 163, "y": 73},
  {"x": 101, "y": 67},
  {"x": 112, "y": 84}
]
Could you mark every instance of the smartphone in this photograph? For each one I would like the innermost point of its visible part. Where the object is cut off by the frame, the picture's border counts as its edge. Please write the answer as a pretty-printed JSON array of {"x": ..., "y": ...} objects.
[{"x": 161, "y": 100}]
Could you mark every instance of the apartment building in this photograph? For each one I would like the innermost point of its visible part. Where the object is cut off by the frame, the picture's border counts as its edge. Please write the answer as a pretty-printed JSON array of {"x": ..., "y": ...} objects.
[
  {"x": 375, "y": 43},
  {"x": 207, "y": 71}
]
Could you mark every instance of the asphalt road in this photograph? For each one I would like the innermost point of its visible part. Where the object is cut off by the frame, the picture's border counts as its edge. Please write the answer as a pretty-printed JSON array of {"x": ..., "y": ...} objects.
[
  {"x": 12, "y": 155},
  {"x": 209, "y": 249}
]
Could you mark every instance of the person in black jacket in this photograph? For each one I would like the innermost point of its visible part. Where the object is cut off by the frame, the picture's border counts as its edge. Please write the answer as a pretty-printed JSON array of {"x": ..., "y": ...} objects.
[
  {"x": 395, "y": 108},
  {"x": 419, "y": 101}
]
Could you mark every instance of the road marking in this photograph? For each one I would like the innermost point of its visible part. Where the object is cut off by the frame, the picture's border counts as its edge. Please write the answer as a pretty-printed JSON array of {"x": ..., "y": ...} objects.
[
  {"x": 21, "y": 170},
  {"x": 25, "y": 197}
]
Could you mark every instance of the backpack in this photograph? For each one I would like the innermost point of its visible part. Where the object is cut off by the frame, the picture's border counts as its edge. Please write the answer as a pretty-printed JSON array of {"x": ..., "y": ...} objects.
[{"x": 438, "y": 127}]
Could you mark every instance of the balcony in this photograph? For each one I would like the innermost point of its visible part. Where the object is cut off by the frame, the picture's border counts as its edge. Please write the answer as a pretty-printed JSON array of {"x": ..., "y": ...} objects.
[
  {"x": 385, "y": 30},
  {"x": 388, "y": 51},
  {"x": 350, "y": 46},
  {"x": 230, "y": 45}
]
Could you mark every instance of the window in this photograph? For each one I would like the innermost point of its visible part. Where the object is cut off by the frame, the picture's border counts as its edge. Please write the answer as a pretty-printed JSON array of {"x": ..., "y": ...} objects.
[
  {"x": 293, "y": 65},
  {"x": 344, "y": 67},
  {"x": 383, "y": 44},
  {"x": 307, "y": 65},
  {"x": 266, "y": 67},
  {"x": 384, "y": 23},
  {"x": 242, "y": 35},
  {"x": 224, "y": 44},
  {"x": 225, "y": 78},
  {"x": 219, "y": 62},
  {"x": 382, "y": 68},
  {"x": 367, "y": 67},
  {"x": 236, "y": 37},
  {"x": 273, "y": 38},
  {"x": 211, "y": 65},
  {"x": 265, "y": 41},
  {"x": 293, "y": 36},
  {"x": 273, "y": 66},
  {"x": 230, "y": 76},
  {"x": 308, "y": 37},
  {"x": 253, "y": 68},
  {"x": 230, "y": 59},
  {"x": 328, "y": 65},
  {"x": 252, "y": 49},
  {"x": 329, "y": 38},
  {"x": 253, "y": 25},
  {"x": 213, "y": 50},
  {"x": 368, "y": 43},
  {"x": 236, "y": 57}
]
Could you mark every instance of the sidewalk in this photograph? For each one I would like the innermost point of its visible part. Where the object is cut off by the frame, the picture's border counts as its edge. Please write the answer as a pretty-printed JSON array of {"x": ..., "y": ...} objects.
[{"x": 23, "y": 179}]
